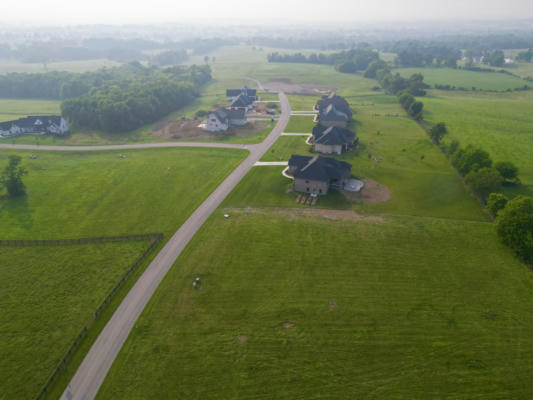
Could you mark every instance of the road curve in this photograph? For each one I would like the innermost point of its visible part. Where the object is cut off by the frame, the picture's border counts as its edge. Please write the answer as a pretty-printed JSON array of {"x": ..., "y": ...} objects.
[
  {"x": 124, "y": 146},
  {"x": 94, "y": 368}
]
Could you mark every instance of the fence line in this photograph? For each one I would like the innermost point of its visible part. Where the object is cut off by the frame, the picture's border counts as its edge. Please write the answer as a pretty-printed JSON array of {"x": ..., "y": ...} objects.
[
  {"x": 154, "y": 237},
  {"x": 67, "y": 242}
]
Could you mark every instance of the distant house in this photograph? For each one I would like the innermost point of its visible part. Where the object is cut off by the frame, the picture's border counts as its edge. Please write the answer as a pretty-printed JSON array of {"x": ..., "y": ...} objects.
[
  {"x": 330, "y": 116},
  {"x": 338, "y": 102},
  {"x": 223, "y": 119},
  {"x": 242, "y": 102},
  {"x": 316, "y": 175},
  {"x": 333, "y": 140},
  {"x": 232, "y": 94},
  {"x": 35, "y": 125}
]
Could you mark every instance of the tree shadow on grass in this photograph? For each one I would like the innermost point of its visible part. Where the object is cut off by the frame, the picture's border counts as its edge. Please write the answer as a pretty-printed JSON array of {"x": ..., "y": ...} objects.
[{"x": 16, "y": 211}]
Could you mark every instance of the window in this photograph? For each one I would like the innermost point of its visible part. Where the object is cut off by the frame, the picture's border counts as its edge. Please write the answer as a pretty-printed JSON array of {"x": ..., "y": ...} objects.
[{"x": 307, "y": 189}]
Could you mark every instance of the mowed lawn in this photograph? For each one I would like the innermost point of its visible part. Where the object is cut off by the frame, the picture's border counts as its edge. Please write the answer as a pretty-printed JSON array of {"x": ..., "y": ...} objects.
[
  {"x": 300, "y": 124},
  {"x": 11, "y": 109},
  {"x": 502, "y": 123},
  {"x": 394, "y": 151},
  {"x": 312, "y": 308},
  {"x": 47, "y": 294},
  {"x": 302, "y": 103},
  {"x": 466, "y": 79},
  {"x": 86, "y": 194}
]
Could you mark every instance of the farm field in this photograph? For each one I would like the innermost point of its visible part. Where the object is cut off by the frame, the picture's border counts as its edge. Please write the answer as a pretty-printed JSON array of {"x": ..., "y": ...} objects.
[
  {"x": 71, "y": 195},
  {"x": 465, "y": 79},
  {"x": 13, "y": 108},
  {"x": 499, "y": 123},
  {"x": 47, "y": 295},
  {"x": 69, "y": 66},
  {"x": 285, "y": 310}
]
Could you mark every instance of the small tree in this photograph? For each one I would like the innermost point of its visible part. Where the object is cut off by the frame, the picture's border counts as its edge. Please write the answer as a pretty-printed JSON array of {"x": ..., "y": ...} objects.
[
  {"x": 515, "y": 226},
  {"x": 495, "y": 203},
  {"x": 11, "y": 178},
  {"x": 415, "y": 110},
  {"x": 453, "y": 147},
  {"x": 484, "y": 180},
  {"x": 508, "y": 170},
  {"x": 438, "y": 131}
]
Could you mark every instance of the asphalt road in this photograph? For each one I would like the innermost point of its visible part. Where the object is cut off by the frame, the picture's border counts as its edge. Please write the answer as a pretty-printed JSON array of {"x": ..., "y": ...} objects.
[{"x": 93, "y": 370}]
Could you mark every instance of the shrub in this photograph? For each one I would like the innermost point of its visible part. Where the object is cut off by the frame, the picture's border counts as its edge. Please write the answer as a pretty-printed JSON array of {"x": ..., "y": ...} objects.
[
  {"x": 200, "y": 114},
  {"x": 272, "y": 105},
  {"x": 484, "y": 180},
  {"x": 515, "y": 226},
  {"x": 495, "y": 203},
  {"x": 507, "y": 169}
]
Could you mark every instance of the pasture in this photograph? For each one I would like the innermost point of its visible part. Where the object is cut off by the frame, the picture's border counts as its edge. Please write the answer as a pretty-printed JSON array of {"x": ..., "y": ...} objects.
[
  {"x": 11, "y": 109},
  {"x": 499, "y": 123},
  {"x": 309, "y": 307},
  {"x": 87, "y": 194},
  {"x": 47, "y": 295},
  {"x": 465, "y": 79}
]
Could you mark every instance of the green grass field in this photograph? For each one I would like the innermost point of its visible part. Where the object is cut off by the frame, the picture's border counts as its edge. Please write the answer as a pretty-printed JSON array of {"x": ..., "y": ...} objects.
[
  {"x": 403, "y": 308},
  {"x": 501, "y": 124},
  {"x": 302, "y": 103},
  {"x": 69, "y": 66},
  {"x": 47, "y": 296},
  {"x": 465, "y": 79},
  {"x": 101, "y": 194},
  {"x": 11, "y": 109},
  {"x": 285, "y": 147},
  {"x": 300, "y": 124}
]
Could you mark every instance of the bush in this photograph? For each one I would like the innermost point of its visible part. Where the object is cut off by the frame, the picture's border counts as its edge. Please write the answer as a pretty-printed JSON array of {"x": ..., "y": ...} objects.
[
  {"x": 200, "y": 114},
  {"x": 438, "y": 131},
  {"x": 495, "y": 203},
  {"x": 484, "y": 180},
  {"x": 471, "y": 159},
  {"x": 272, "y": 106},
  {"x": 453, "y": 147},
  {"x": 515, "y": 226},
  {"x": 507, "y": 169}
]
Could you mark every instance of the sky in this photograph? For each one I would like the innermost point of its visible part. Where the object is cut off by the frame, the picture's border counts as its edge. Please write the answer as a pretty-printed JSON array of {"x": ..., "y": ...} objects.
[{"x": 70, "y": 12}]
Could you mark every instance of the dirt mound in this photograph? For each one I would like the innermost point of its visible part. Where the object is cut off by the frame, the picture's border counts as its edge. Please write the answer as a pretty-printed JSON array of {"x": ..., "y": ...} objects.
[
  {"x": 286, "y": 85},
  {"x": 373, "y": 192},
  {"x": 242, "y": 338},
  {"x": 288, "y": 325}
]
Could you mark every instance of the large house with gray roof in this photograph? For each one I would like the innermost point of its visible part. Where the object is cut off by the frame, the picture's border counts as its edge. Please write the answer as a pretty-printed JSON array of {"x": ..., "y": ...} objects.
[
  {"x": 232, "y": 94},
  {"x": 242, "y": 102},
  {"x": 35, "y": 125},
  {"x": 333, "y": 140},
  {"x": 333, "y": 110},
  {"x": 316, "y": 175},
  {"x": 222, "y": 119}
]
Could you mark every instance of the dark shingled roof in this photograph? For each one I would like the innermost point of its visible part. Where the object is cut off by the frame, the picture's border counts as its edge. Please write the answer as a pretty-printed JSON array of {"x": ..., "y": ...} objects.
[
  {"x": 223, "y": 114},
  {"x": 330, "y": 113},
  {"x": 37, "y": 123},
  {"x": 241, "y": 101},
  {"x": 319, "y": 168},
  {"x": 333, "y": 135},
  {"x": 339, "y": 102}
]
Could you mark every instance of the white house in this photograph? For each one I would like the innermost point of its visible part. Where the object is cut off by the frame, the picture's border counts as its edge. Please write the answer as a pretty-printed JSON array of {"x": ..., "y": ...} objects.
[
  {"x": 35, "y": 125},
  {"x": 222, "y": 119}
]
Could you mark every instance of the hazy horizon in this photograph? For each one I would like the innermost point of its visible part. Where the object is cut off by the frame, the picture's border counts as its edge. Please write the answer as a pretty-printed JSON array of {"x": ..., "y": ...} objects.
[{"x": 275, "y": 12}]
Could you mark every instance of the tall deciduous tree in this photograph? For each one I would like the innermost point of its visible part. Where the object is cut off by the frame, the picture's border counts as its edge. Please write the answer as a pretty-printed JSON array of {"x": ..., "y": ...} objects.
[
  {"x": 515, "y": 226},
  {"x": 438, "y": 131},
  {"x": 11, "y": 177}
]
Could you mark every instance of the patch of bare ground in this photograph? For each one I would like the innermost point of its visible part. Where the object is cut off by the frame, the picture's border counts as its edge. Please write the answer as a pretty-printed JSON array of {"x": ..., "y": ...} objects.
[
  {"x": 242, "y": 338},
  {"x": 332, "y": 304},
  {"x": 340, "y": 215},
  {"x": 286, "y": 85},
  {"x": 189, "y": 130},
  {"x": 373, "y": 192},
  {"x": 288, "y": 325}
]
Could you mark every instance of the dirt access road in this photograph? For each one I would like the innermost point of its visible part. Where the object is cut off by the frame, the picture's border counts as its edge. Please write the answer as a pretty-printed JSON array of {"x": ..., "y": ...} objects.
[{"x": 93, "y": 370}]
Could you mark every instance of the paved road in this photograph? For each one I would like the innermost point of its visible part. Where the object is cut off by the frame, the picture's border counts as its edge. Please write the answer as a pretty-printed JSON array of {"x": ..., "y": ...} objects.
[{"x": 91, "y": 373}]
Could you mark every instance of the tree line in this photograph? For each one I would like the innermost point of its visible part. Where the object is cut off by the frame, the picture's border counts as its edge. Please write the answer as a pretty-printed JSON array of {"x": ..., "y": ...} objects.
[
  {"x": 125, "y": 105},
  {"x": 345, "y": 61}
]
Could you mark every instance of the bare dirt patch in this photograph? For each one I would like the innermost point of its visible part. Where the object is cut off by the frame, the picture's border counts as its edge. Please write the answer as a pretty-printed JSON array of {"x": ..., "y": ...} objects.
[
  {"x": 288, "y": 325},
  {"x": 332, "y": 304},
  {"x": 242, "y": 338},
  {"x": 341, "y": 215},
  {"x": 189, "y": 130},
  {"x": 286, "y": 85},
  {"x": 373, "y": 192}
]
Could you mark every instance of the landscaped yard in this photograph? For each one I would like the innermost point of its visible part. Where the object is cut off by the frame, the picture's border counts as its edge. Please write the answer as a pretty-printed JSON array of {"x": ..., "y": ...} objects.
[
  {"x": 308, "y": 307},
  {"x": 47, "y": 294},
  {"x": 302, "y": 103},
  {"x": 285, "y": 147},
  {"x": 300, "y": 124}
]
